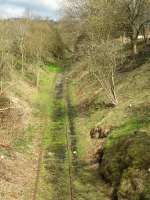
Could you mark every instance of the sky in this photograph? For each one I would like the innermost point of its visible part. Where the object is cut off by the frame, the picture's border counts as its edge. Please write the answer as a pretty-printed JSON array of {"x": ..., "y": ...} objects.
[{"x": 43, "y": 8}]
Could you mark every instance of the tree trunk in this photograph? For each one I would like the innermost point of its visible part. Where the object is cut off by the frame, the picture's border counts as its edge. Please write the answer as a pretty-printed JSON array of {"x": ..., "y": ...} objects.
[
  {"x": 38, "y": 79},
  {"x": 135, "y": 50},
  {"x": 113, "y": 90},
  {"x": 135, "y": 34},
  {"x": 1, "y": 90},
  {"x": 22, "y": 63},
  {"x": 124, "y": 38}
]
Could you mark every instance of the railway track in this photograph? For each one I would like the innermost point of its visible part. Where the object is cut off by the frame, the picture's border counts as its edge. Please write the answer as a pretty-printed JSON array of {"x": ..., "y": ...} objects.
[{"x": 70, "y": 145}]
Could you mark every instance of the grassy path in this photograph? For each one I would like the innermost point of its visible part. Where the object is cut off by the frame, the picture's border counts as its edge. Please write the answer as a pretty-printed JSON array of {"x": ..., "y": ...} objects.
[
  {"x": 54, "y": 167},
  {"x": 61, "y": 173},
  {"x": 38, "y": 174},
  {"x": 44, "y": 104}
]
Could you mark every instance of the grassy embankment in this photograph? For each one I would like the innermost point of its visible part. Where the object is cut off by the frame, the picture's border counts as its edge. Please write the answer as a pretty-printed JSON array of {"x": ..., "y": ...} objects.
[
  {"x": 26, "y": 126},
  {"x": 85, "y": 176},
  {"x": 36, "y": 136},
  {"x": 130, "y": 119},
  {"x": 41, "y": 134}
]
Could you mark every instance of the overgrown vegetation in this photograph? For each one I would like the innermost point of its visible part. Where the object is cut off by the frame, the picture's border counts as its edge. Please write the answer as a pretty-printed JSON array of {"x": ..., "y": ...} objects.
[
  {"x": 109, "y": 86},
  {"x": 104, "y": 48},
  {"x": 26, "y": 45},
  {"x": 30, "y": 49}
]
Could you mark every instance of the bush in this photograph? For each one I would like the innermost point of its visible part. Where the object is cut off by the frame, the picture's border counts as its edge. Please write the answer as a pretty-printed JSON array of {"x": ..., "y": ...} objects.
[{"x": 126, "y": 165}]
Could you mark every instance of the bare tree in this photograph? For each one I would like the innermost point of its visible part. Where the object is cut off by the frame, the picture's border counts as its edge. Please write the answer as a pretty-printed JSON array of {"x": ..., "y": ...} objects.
[
  {"x": 97, "y": 19},
  {"x": 22, "y": 36},
  {"x": 103, "y": 59}
]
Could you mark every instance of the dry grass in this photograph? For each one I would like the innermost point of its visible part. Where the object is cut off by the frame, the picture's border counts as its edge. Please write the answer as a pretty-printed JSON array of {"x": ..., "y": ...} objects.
[
  {"x": 17, "y": 176},
  {"x": 18, "y": 155}
]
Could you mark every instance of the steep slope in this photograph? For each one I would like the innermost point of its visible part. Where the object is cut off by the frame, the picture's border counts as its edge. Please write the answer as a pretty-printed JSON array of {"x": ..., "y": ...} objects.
[
  {"x": 22, "y": 127},
  {"x": 124, "y": 156}
]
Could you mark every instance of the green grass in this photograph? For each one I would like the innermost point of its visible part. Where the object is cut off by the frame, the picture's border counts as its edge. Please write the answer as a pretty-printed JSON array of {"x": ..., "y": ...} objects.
[
  {"x": 55, "y": 68},
  {"x": 44, "y": 105},
  {"x": 54, "y": 171},
  {"x": 51, "y": 115},
  {"x": 128, "y": 128}
]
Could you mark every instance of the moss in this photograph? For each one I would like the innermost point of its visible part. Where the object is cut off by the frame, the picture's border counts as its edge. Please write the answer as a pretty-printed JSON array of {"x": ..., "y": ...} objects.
[
  {"x": 128, "y": 128},
  {"x": 126, "y": 163}
]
